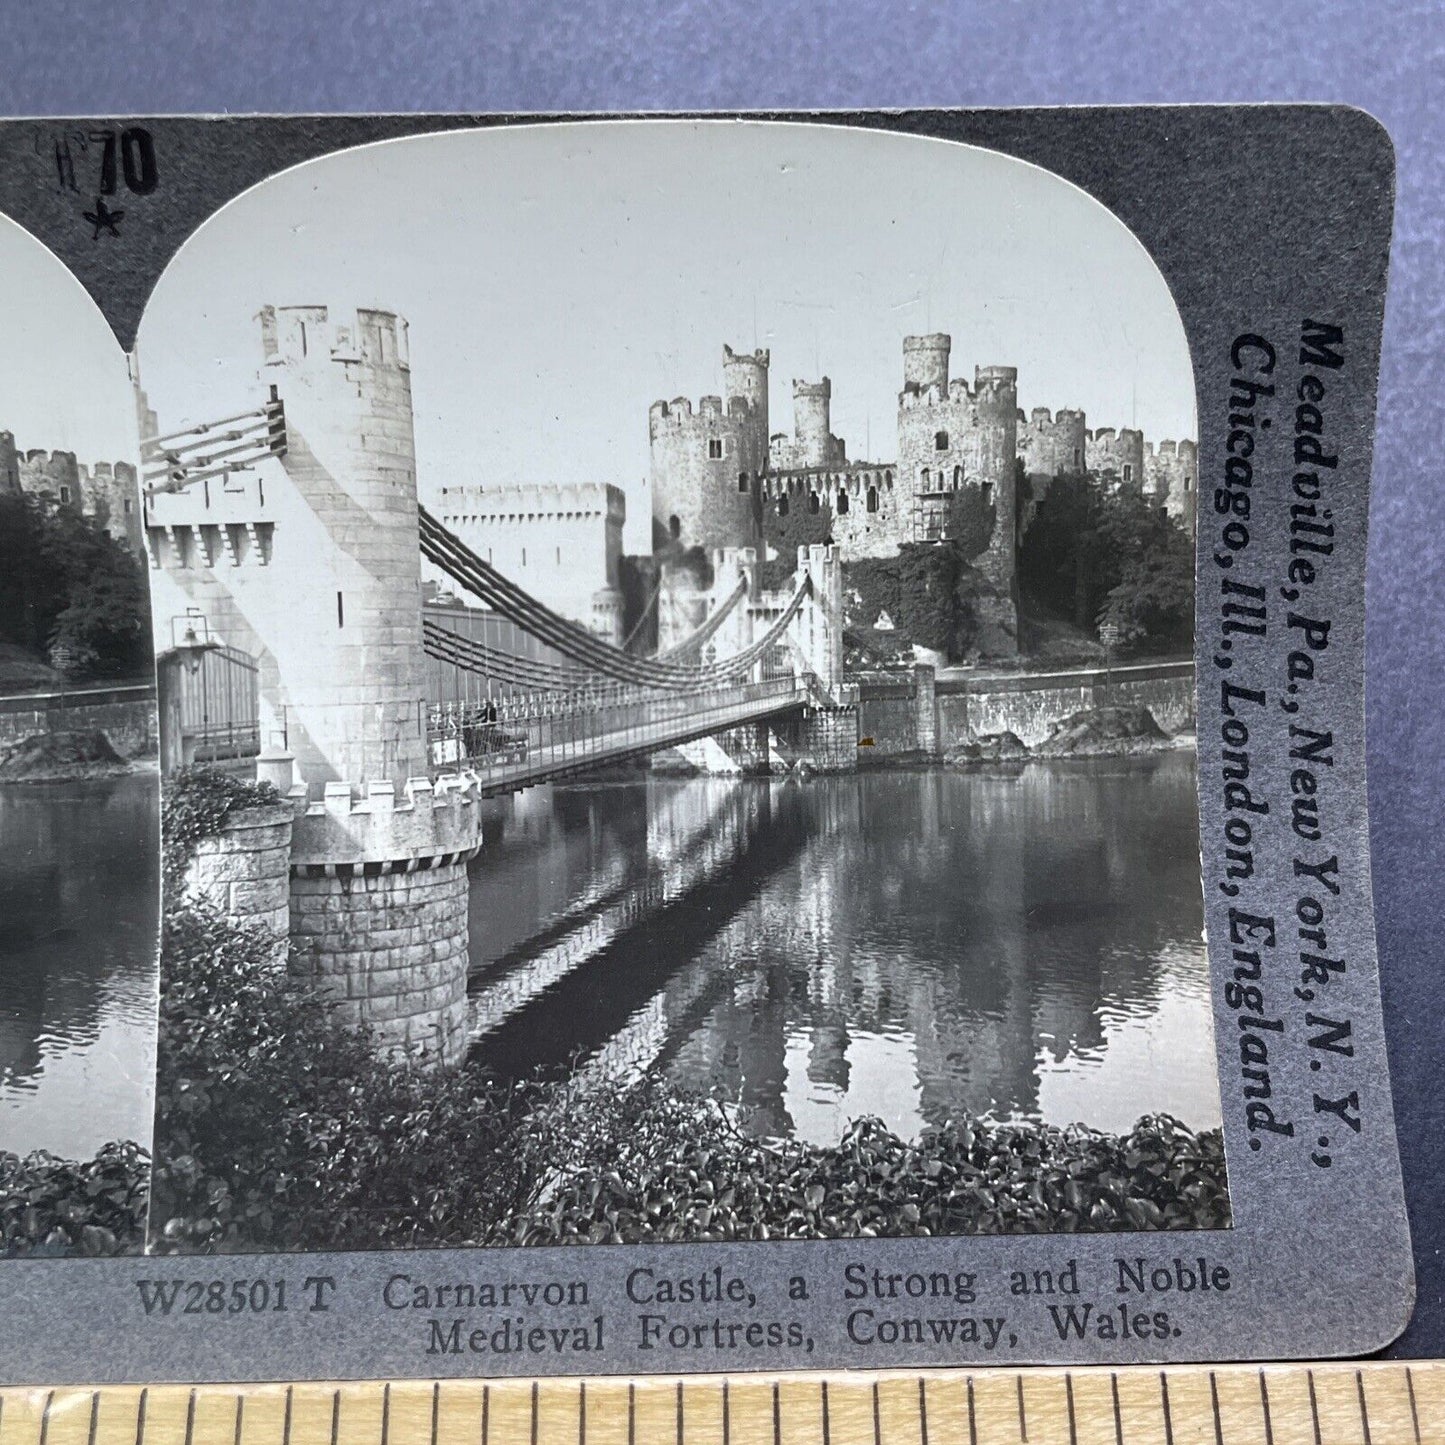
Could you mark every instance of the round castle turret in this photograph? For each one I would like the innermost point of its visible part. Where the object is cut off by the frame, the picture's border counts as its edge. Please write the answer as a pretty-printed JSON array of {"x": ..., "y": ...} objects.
[
  {"x": 925, "y": 361},
  {"x": 812, "y": 421},
  {"x": 706, "y": 463}
]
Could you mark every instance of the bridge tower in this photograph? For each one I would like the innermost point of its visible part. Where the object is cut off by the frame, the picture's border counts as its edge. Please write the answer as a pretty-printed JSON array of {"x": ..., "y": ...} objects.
[{"x": 328, "y": 601}]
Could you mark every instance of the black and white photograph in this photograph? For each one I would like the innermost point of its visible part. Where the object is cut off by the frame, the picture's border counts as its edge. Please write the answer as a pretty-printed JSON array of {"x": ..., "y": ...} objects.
[
  {"x": 79, "y": 804},
  {"x": 676, "y": 665}
]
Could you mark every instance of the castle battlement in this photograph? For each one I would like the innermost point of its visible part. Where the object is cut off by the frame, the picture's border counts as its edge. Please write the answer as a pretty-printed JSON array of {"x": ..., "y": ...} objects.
[
  {"x": 532, "y": 501},
  {"x": 417, "y": 826},
  {"x": 303, "y": 335},
  {"x": 679, "y": 414},
  {"x": 1170, "y": 448},
  {"x": 1041, "y": 417}
]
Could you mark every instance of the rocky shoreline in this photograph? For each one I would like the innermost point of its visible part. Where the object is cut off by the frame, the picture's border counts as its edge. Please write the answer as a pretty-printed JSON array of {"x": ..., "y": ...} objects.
[{"x": 68, "y": 756}]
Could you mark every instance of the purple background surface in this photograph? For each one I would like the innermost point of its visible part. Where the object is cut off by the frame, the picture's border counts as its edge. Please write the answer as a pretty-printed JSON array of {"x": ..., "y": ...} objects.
[{"x": 68, "y": 57}]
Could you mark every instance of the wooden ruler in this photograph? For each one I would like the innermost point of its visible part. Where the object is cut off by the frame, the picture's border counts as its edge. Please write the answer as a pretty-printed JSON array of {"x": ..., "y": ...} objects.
[{"x": 1374, "y": 1403}]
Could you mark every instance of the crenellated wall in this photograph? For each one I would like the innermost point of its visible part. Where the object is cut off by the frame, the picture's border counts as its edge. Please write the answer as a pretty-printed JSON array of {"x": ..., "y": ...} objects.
[
  {"x": 562, "y": 542},
  {"x": 1052, "y": 445}
]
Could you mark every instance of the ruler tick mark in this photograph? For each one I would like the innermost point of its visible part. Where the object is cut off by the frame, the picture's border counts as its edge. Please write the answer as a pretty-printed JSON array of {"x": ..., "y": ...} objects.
[
  {"x": 94, "y": 1416},
  {"x": 922, "y": 1413},
  {"x": 1069, "y": 1400},
  {"x": 1118, "y": 1418},
  {"x": 727, "y": 1417},
  {"x": 1314, "y": 1406},
  {"x": 1364, "y": 1413},
  {"x": 679, "y": 1414},
  {"x": 877, "y": 1432},
  {"x": 972, "y": 1417},
  {"x": 436, "y": 1402},
  {"x": 1414, "y": 1413},
  {"x": 632, "y": 1413},
  {"x": 1168, "y": 1413},
  {"x": 827, "y": 1434},
  {"x": 582, "y": 1414},
  {"x": 335, "y": 1416},
  {"x": 1264, "y": 1402},
  {"x": 286, "y": 1423},
  {"x": 1023, "y": 1423},
  {"x": 385, "y": 1413},
  {"x": 534, "y": 1412},
  {"x": 1214, "y": 1408},
  {"x": 45, "y": 1416},
  {"x": 777, "y": 1417},
  {"x": 487, "y": 1410},
  {"x": 190, "y": 1418}
]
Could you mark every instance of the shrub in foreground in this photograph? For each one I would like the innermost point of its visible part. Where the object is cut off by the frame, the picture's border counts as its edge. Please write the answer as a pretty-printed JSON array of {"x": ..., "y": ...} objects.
[{"x": 51, "y": 1206}]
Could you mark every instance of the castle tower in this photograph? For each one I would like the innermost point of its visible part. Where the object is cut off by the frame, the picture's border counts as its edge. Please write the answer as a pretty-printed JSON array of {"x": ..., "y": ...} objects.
[
  {"x": 745, "y": 379},
  {"x": 705, "y": 463},
  {"x": 812, "y": 422},
  {"x": 1120, "y": 453},
  {"x": 925, "y": 361},
  {"x": 951, "y": 437},
  {"x": 350, "y": 654}
]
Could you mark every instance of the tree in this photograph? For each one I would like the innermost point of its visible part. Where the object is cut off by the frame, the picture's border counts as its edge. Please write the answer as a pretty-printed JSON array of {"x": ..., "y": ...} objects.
[
  {"x": 65, "y": 582},
  {"x": 1099, "y": 552}
]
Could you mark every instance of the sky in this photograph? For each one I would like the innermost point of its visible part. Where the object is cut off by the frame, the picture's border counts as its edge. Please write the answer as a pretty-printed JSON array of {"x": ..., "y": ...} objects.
[
  {"x": 63, "y": 380},
  {"x": 558, "y": 279}
]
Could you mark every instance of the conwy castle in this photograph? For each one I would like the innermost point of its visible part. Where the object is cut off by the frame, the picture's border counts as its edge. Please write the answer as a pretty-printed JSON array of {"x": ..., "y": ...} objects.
[
  {"x": 721, "y": 479},
  {"x": 107, "y": 493}
]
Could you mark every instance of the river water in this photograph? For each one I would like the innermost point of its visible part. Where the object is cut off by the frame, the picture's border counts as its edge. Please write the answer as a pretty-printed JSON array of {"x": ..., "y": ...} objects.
[
  {"x": 79, "y": 875},
  {"x": 910, "y": 945}
]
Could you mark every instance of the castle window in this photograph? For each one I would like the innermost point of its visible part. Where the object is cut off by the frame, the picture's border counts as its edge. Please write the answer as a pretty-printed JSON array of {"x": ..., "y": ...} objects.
[
  {"x": 872, "y": 499},
  {"x": 888, "y": 478},
  {"x": 127, "y": 506},
  {"x": 813, "y": 502},
  {"x": 714, "y": 448},
  {"x": 674, "y": 527},
  {"x": 940, "y": 441},
  {"x": 1128, "y": 471},
  {"x": 783, "y": 505},
  {"x": 340, "y": 611},
  {"x": 1076, "y": 456},
  {"x": 988, "y": 494},
  {"x": 842, "y": 502},
  {"x": 957, "y": 478},
  {"x": 559, "y": 556},
  {"x": 742, "y": 481},
  {"x": 64, "y": 494},
  {"x": 524, "y": 556}
]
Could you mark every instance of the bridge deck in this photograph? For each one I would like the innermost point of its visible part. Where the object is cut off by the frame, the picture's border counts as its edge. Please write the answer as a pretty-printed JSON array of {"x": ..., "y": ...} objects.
[{"x": 537, "y": 750}]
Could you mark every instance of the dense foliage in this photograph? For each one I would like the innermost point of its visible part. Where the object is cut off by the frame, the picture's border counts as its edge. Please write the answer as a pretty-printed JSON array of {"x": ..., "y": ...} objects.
[
  {"x": 276, "y": 1129},
  {"x": 929, "y": 592},
  {"x": 67, "y": 1207},
  {"x": 67, "y": 588},
  {"x": 195, "y": 804},
  {"x": 685, "y": 1173},
  {"x": 784, "y": 533},
  {"x": 1095, "y": 553}
]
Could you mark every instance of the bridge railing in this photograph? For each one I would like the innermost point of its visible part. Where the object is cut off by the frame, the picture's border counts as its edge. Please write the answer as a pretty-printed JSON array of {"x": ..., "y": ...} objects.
[{"x": 544, "y": 732}]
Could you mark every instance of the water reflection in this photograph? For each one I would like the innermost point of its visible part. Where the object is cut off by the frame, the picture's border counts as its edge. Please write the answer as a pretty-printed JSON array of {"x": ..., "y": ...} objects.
[
  {"x": 902, "y": 944},
  {"x": 78, "y": 973}
]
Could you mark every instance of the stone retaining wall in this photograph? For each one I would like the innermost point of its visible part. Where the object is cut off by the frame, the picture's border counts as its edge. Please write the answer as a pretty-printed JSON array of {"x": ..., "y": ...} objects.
[{"x": 128, "y": 721}]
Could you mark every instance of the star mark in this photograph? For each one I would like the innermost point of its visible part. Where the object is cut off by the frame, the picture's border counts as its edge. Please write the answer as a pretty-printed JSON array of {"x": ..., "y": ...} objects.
[{"x": 102, "y": 218}]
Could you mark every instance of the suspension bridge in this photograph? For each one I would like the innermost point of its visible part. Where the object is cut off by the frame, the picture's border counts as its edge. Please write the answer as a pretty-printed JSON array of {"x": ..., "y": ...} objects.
[{"x": 503, "y": 718}]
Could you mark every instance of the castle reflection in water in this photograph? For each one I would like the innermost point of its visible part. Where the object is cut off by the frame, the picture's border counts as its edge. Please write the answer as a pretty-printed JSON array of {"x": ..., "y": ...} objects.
[{"x": 906, "y": 944}]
